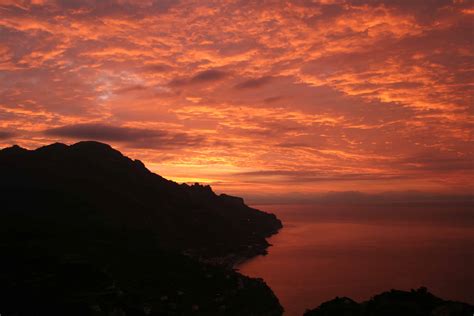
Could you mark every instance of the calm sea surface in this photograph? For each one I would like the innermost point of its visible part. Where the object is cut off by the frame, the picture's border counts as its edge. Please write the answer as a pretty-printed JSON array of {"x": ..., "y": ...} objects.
[{"x": 358, "y": 251}]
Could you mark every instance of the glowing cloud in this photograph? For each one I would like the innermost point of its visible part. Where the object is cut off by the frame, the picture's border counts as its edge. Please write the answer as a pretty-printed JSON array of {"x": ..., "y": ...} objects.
[{"x": 311, "y": 95}]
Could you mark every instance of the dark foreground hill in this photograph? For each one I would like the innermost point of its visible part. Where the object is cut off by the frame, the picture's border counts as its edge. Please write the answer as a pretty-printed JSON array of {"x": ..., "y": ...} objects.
[
  {"x": 87, "y": 231},
  {"x": 394, "y": 303}
]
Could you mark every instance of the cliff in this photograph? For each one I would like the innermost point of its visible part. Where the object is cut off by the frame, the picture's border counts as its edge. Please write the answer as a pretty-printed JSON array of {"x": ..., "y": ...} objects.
[{"x": 88, "y": 231}]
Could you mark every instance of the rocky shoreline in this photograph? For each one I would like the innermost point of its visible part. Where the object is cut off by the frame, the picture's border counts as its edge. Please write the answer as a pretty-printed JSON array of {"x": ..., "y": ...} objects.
[{"x": 232, "y": 260}]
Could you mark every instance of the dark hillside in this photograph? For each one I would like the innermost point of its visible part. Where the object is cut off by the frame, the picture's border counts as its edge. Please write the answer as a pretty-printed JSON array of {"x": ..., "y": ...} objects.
[
  {"x": 90, "y": 183},
  {"x": 87, "y": 231}
]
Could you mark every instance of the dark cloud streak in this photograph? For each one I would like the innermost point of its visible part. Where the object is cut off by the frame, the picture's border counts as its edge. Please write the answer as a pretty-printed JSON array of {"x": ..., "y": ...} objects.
[
  {"x": 6, "y": 134},
  {"x": 133, "y": 137},
  {"x": 253, "y": 83},
  {"x": 206, "y": 76},
  {"x": 297, "y": 176}
]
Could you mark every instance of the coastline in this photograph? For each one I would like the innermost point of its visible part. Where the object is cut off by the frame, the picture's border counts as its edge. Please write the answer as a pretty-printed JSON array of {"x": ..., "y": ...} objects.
[{"x": 235, "y": 259}]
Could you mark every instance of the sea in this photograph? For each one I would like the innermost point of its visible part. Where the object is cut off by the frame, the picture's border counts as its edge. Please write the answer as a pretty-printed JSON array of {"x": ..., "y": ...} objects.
[{"x": 359, "y": 250}]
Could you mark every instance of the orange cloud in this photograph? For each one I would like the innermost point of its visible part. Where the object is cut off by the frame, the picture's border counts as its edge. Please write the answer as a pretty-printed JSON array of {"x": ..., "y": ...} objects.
[{"x": 319, "y": 96}]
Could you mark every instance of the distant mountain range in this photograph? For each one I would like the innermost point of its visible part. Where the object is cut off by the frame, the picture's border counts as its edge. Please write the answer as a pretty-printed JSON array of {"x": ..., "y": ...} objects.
[{"x": 85, "y": 230}]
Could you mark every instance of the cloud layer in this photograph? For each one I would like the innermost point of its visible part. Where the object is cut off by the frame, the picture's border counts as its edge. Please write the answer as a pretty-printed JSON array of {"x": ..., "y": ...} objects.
[
  {"x": 263, "y": 95},
  {"x": 132, "y": 137}
]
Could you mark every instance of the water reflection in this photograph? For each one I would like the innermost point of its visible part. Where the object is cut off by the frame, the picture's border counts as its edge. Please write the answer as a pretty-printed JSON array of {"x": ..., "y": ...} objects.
[{"x": 358, "y": 251}]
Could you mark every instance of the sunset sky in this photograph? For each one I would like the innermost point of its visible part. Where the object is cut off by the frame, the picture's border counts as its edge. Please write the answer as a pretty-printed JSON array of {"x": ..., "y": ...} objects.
[{"x": 252, "y": 97}]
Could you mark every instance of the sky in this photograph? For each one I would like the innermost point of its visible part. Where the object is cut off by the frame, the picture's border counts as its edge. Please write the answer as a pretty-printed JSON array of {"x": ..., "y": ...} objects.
[{"x": 256, "y": 98}]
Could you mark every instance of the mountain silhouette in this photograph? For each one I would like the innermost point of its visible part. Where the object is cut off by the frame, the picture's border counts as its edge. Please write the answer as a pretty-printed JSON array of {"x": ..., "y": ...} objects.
[
  {"x": 89, "y": 183},
  {"x": 418, "y": 302},
  {"x": 88, "y": 231}
]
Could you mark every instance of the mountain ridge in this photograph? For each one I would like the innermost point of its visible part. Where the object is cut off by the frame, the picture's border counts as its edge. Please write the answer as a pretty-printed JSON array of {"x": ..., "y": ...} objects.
[
  {"x": 417, "y": 302},
  {"x": 86, "y": 230},
  {"x": 95, "y": 164}
]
